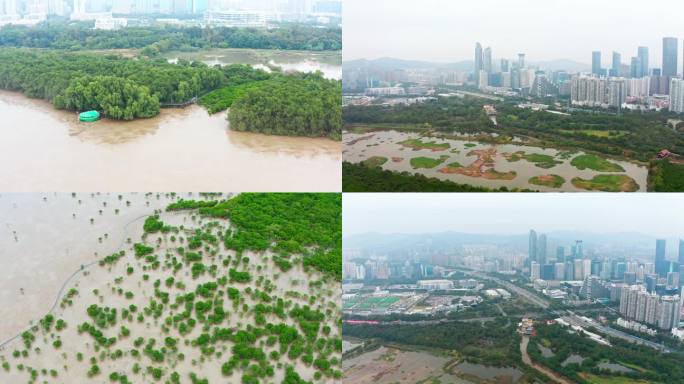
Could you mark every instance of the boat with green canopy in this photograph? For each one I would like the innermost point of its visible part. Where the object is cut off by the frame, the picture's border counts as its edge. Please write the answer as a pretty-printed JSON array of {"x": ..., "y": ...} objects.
[{"x": 89, "y": 116}]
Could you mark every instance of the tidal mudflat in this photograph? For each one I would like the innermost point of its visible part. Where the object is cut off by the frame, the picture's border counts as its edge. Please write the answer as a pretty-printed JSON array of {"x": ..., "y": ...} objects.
[{"x": 154, "y": 288}]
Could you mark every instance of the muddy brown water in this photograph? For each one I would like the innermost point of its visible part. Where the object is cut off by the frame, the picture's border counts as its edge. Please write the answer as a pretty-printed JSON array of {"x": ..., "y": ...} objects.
[
  {"x": 329, "y": 63},
  {"x": 44, "y": 149}
]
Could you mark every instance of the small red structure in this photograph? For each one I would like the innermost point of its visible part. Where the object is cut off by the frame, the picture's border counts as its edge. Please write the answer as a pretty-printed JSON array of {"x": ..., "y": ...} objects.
[{"x": 664, "y": 154}]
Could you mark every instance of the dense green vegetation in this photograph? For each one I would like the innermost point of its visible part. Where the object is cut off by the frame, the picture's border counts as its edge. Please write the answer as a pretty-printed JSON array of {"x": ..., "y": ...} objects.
[
  {"x": 642, "y": 135},
  {"x": 666, "y": 176},
  {"x": 552, "y": 181},
  {"x": 417, "y": 144},
  {"x": 374, "y": 161},
  {"x": 119, "y": 86},
  {"x": 607, "y": 183},
  {"x": 240, "y": 78},
  {"x": 595, "y": 163},
  {"x": 647, "y": 365},
  {"x": 288, "y": 223},
  {"x": 155, "y": 40},
  {"x": 119, "y": 98},
  {"x": 298, "y": 105},
  {"x": 359, "y": 178},
  {"x": 540, "y": 160},
  {"x": 307, "y": 105},
  {"x": 427, "y": 162}
]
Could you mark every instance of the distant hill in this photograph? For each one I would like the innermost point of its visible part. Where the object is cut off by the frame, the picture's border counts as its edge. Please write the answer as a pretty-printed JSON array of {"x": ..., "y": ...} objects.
[{"x": 388, "y": 63}]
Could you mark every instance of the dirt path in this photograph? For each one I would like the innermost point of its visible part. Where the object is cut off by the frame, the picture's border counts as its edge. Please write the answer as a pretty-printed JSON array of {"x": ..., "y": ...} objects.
[{"x": 527, "y": 360}]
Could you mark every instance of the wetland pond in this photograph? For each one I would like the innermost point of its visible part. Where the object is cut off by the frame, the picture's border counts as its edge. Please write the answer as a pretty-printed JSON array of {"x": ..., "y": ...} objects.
[
  {"x": 392, "y": 365},
  {"x": 329, "y": 63},
  {"x": 492, "y": 165},
  {"x": 44, "y": 149}
]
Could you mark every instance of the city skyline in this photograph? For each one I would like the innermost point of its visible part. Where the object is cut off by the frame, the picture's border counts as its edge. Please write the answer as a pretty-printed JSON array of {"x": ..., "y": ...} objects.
[
  {"x": 653, "y": 215},
  {"x": 428, "y": 32}
]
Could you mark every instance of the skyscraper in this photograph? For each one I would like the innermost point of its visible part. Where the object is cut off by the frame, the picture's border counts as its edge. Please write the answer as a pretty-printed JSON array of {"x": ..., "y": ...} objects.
[
  {"x": 521, "y": 60},
  {"x": 487, "y": 60},
  {"x": 504, "y": 65},
  {"x": 541, "y": 249},
  {"x": 532, "y": 251},
  {"x": 635, "y": 69},
  {"x": 669, "y": 68},
  {"x": 478, "y": 62},
  {"x": 643, "y": 57},
  {"x": 596, "y": 63},
  {"x": 560, "y": 254},
  {"x": 681, "y": 252},
  {"x": 661, "y": 264},
  {"x": 617, "y": 62}
]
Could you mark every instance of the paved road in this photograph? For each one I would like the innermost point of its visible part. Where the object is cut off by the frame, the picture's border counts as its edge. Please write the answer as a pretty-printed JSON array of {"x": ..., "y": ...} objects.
[
  {"x": 578, "y": 321},
  {"x": 528, "y": 361},
  {"x": 525, "y": 294}
]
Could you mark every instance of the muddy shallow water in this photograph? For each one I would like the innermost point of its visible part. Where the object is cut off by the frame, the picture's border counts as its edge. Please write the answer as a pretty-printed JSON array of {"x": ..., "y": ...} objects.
[
  {"x": 329, "y": 63},
  {"x": 43, "y": 149},
  {"x": 45, "y": 237},
  {"x": 358, "y": 147}
]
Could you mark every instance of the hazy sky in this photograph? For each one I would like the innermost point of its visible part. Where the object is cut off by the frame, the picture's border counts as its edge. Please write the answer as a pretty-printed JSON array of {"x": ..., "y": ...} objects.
[
  {"x": 658, "y": 215},
  {"x": 446, "y": 30}
]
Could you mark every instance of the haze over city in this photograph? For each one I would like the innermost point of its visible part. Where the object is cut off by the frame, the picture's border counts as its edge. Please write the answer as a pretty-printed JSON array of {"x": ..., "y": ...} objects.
[
  {"x": 654, "y": 215},
  {"x": 445, "y": 31}
]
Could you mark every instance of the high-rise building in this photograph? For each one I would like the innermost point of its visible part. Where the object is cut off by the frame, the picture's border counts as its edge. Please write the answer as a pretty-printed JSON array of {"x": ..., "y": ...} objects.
[
  {"x": 672, "y": 280},
  {"x": 487, "y": 60},
  {"x": 616, "y": 92},
  {"x": 677, "y": 99},
  {"x": 669, "y": 312},
  {"x": 640, "y": 87},
  {"x": 504, "y": 65},
  {"x": 560, "y": 254},
  {"x": 532, "y": 246},
  {"x": 670, "y": 52},
  {"x": 535, "y": 271},
  {"x": 559, "y": 271},
  {"x": 635, "y": 69},
  {"x": 661, "y": 265},
  {"x": 650, "y": 282},
  {"x": 521, "y": 60},
  {"x": 617, "y": 63},
  {"x": 541, "y": 249},
  {"x": 681, "y": 252},
  {"x": 483, "y": 79},
  {"x": 591, "y": 91},
  {"x": 478, "y": 62},
  {"x": 578, "y": 269},
  {"x": 596, "y": 63},
  {"x": 630, "y": 278},
  {"x": 642, "y": 52}
]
